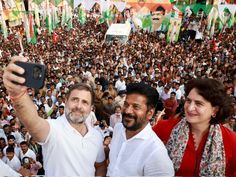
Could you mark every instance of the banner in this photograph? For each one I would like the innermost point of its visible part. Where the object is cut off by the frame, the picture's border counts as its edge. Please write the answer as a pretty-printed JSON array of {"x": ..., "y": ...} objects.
[
  {"x": 211, "y": 20},
  {"x": 173, "y": 31},
  {"x": 226, "y": 16}
]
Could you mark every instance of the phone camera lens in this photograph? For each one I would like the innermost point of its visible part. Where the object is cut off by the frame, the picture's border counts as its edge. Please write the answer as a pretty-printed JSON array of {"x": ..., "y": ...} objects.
[{"x": 37, "y": 73}]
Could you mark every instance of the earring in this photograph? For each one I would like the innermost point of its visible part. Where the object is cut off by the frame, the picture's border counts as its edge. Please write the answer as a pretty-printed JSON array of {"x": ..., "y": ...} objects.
[{"x": 214, "y": 115}]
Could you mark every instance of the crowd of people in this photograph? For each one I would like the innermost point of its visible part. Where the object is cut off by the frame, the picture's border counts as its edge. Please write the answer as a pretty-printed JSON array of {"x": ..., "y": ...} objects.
[{"x": 80, "y": 55}]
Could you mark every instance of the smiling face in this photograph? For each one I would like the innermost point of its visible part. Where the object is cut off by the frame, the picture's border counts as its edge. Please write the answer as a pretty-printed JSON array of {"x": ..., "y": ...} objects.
[
  {"x": 157, "y": 18},
  {"x": 78, "y": 106},
  {"x": 135, "y": 113},
  {"x": 197, "y": 109}
]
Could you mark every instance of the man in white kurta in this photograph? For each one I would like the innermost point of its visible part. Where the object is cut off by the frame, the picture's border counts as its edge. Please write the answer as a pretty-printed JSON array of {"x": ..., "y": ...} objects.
[
  {"x": 135, "y": 149},
  {"x": 142, "y": 155}
]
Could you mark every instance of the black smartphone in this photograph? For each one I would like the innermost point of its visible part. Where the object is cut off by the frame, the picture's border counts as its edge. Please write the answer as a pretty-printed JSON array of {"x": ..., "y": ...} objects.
[{"x": 34, "y": 74}]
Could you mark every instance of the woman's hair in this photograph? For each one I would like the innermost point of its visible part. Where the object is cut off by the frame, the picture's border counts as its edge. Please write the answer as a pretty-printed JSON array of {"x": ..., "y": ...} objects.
[{"x": 214, "y": 92}]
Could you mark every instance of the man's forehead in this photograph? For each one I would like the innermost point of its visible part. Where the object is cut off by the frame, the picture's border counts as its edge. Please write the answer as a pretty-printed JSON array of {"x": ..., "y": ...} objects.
[
  {"x": 135, "y": 98},
  {"x": 82, "y": 94}
]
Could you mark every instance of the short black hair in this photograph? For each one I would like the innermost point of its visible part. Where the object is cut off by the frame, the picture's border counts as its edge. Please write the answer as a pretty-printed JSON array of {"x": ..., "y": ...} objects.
[
  {"x": 10, "y": 149},
  {"x": 146, "y": 90},
  {"x": 61, "y": 106},
  {"x": 6, "y": 125},
  {"x": 10, "y": 137},
  {"x": 160, "y": 8},
  {"x": 118, "y": 106},
  {"x": 24, "y": 143},
  {"x": 1, "y": 138}
]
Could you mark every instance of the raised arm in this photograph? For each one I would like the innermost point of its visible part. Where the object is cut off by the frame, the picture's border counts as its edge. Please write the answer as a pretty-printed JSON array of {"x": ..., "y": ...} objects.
[{"x": 25, "y": 109}]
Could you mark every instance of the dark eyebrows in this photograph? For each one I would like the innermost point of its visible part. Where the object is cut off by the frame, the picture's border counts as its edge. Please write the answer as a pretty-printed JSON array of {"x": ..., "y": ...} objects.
[{"x": 196, "y": 101}]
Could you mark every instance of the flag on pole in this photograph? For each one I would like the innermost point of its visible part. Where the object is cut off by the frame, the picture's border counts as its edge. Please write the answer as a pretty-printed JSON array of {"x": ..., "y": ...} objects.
[
  {"x": 31, "y": 27},
  {"x": 82, "y": 15},
  {"x": 26, "y": 24},
  {"x": 34, "y": 37},
  {"x": 63, "y": 18},
  {"x": 38, "y": 2},
  {"x": 20, "y": 41},
  {"x": 36, "y": 11},
  {"x": 49, "y": 23},
  {"x": 55, "y": 20},
  {"x": 69, "y": 21},
  {"x": 3, "y": 22},
  {"x": 48, "y": 18}
]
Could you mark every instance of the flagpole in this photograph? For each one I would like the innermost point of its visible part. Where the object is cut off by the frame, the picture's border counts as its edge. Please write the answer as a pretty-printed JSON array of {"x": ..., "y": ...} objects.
[{"x": 4, "y": 26}]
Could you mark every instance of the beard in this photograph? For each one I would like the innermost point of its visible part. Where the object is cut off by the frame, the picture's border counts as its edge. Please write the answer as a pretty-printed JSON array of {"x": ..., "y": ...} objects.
[
  {"x": 75, "y": 119},
  {"x": 135, "y": 125}
]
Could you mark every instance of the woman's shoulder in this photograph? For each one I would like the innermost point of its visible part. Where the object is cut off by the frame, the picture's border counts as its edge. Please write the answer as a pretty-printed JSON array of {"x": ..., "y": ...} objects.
[
  {"x": 164, "y": 128},
  {"x": 228, "y": 135},
  {"x": 168, "y": 122}
]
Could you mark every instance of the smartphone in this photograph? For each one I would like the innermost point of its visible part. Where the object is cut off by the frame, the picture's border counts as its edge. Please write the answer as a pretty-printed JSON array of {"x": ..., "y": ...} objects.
[{"x": 34, "y": 74}]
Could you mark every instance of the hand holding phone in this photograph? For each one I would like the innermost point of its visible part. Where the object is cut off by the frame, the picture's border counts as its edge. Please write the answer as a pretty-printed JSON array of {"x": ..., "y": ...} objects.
[{"x": 34, "y": 74}]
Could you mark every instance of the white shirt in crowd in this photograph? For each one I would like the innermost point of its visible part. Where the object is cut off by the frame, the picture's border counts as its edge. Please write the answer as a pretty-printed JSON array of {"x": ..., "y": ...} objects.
[
  {"x": 115, "y": 118},
  {"x": 142, "y": 155},
  {"x": 178, "y": 94},
  {"x": 160, "y": 89},
  {"x": 104, "y": 132},
  {"x": 6, "y": 170},
  {"x": 120, "y": 85},
  {"x": 14, "y": 163},
  {"x": 182, "y": 89},
  {"x": 48, "y": 108},
  {"x": 16, "y": 150},
  {"x": 67, "y": 153},
  {"x": 29, "y": 153},
  {"x": 164, "y": 95}
]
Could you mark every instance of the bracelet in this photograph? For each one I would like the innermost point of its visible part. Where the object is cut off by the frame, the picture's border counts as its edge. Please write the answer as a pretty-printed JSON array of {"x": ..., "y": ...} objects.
[{"x": 15, "y": 98}]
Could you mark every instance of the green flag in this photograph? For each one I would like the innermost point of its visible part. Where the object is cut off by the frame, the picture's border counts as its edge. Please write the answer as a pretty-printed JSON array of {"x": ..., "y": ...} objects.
[
  {"x": 146, "y": 22},
  {"x": 106, "y": 16},
  {"x": 49, "y": 23},
  {"x": 69, "y": 21},
  {"x": 55, "y": 20},
  {"x": 56, "y": 2},
  {"x": 15, "y": 12},
  {"x": 64, "y": 14},
  {"x": 4, "y": 29},
  {"x": 82, "y": 16},
  {"x": 34, "y": 38},
  {"x": 227, "y": 20},
  {"x": 38, "y": 2},
  {"x": 71, "y": 3}
]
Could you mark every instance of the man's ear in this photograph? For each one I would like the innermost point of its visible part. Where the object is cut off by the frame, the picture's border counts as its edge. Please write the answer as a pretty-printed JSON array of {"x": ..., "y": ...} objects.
[
  {"x": 150, "y": 113},
  {"x": 91, "y": 108}
]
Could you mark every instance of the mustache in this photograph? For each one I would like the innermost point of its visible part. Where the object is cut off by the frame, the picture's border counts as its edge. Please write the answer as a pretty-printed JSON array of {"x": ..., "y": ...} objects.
[
  {"x": 156, "y": 19},
  {"x": 128, "y": 115},
  {"x": 75, "y": 110}
]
